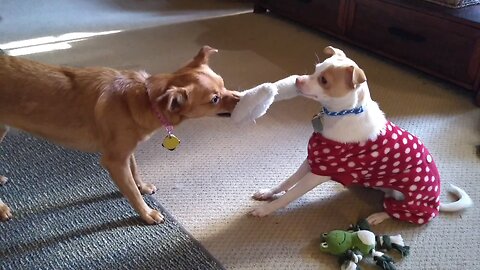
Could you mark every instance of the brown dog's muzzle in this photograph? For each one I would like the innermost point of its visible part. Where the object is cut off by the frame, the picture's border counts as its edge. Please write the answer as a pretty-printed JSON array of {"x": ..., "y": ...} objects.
[{"x": 229, "y": 101}]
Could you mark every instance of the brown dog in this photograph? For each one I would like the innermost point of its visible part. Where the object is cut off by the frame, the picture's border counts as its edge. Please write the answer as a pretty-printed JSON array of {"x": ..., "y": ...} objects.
[{"x": 108, "y": 111}]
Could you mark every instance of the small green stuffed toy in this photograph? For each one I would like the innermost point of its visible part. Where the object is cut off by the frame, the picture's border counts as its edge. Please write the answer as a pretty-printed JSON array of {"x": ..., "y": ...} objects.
[{"x": 354, "y": 244}]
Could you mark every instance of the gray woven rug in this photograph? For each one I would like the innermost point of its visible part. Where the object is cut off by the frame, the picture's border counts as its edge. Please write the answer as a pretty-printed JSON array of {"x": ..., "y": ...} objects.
[{"x": 69, "y": 215}]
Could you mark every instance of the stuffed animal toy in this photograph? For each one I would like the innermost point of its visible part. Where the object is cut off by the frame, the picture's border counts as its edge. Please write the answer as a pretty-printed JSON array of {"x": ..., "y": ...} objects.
[
  {"x": 255, "y": 102},
  {"x": 354, "y": 244}
]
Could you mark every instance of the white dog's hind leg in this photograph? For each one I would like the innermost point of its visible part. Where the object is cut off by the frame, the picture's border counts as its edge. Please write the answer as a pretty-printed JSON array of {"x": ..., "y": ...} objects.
[
  {"x": 377, "y": 218},
  {"x": 392, "y": 193},
  {"x": 286, "y": 88},
  {"x": 268, "y": 193},
  {"x": 307, "y": 183}
]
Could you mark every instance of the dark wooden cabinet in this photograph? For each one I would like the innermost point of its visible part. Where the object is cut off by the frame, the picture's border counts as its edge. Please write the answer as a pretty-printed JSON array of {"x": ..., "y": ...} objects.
[
  {"x": 441, "y": 41},
  {"x": 307, "y": 12}
]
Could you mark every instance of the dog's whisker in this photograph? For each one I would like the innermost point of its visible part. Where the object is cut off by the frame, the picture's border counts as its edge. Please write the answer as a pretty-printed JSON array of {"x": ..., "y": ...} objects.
[{"x": 318, "y": 58}]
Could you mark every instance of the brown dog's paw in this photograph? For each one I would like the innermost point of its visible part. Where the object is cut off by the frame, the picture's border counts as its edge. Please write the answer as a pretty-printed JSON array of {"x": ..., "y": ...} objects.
[
  {"x": 152, "y": 217},
  {"x": 146, "y": 188},
  {"x": 3, "y": 180},
  {"x": 5, "y": 213}
]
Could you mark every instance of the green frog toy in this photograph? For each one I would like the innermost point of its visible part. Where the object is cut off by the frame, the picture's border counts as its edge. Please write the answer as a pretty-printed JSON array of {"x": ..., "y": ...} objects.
[{"x": 354, "y": 244}]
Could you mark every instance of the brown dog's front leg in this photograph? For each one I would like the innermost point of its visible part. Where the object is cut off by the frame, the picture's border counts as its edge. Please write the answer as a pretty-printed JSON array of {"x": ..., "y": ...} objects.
[
  {"x": 121, "y": 174},
  {"x": 145, "y": 188},
  {"x": 3, "y": 131},
  {"x": 5, "y": 212}
]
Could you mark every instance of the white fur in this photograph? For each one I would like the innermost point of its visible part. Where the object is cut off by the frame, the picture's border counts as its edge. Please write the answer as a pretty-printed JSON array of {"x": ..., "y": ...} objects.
[
  {"x": 351, "y": 128},
  {"x": 354, "y": 128},
  {"x": 396, "y": 239},
  {"x": 255, "y": 102},
  {"x": 286, "y": 88},
  {"x": 463, "y": 202}
]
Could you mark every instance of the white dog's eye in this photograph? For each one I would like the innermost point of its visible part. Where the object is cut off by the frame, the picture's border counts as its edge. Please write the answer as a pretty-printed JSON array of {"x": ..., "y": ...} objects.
[
  {"x": 322, "y": 80},
  {"x": 215, "y": 99}
]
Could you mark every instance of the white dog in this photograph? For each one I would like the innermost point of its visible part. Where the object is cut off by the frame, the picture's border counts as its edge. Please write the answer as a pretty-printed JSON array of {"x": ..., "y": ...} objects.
[{"x": 354, "y": 143}]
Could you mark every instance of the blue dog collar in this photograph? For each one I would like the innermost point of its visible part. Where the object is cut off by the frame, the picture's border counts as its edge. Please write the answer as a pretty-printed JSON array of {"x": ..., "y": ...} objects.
[{"x": 357, "y": 110}]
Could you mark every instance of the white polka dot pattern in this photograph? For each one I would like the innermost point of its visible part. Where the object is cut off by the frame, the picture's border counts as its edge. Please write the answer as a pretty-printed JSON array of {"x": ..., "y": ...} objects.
[{"x": 396, "y": 160}]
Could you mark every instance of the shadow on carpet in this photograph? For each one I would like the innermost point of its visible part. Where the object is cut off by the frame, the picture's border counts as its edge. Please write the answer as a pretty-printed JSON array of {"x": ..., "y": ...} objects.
[{"x": 69, "y": 215}]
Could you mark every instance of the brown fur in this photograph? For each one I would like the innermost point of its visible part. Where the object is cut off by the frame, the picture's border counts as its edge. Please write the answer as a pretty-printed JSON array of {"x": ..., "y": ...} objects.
[
  {"x": 336, "y": 80},
  {"x": 106, "y": 110}
]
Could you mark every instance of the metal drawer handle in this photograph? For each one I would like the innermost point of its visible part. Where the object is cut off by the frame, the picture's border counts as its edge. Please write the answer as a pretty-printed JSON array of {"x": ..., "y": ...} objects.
[
  {"x": 405, "y": 35},
  {"x": 305, "y": 1}
]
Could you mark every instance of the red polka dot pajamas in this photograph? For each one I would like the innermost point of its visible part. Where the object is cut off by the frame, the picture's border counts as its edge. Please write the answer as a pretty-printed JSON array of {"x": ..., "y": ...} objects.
[{"x": 395, "y": 160}]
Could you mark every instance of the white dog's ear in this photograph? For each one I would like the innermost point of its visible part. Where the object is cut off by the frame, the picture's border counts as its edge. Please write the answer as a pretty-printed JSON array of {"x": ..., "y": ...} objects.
[
  {"x": 330, "y": 51},
  {"x": 356, "y": 76}
]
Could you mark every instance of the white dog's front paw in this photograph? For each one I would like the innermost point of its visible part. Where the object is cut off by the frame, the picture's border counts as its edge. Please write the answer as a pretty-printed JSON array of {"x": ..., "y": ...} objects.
[
  {"x": 5, "y": 213},
  {"x": 261, "y": 211},
  {"x": 263, "y": 194}
]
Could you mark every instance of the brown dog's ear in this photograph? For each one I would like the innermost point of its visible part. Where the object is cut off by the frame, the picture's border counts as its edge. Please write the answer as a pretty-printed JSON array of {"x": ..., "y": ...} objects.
[
  {"x": 202, "y": 56},
  {"x": 157, "y": 85},
  {"x": 355, "y": 76},
  {"x": 330, "y": 51},
  {"x": 173, "y": 99}
]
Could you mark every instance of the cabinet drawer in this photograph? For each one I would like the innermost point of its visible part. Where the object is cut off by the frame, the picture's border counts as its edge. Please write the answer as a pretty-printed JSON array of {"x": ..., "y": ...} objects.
[
  {"x": 320, "y": 14},
  {"x": 441, "y": 46}
]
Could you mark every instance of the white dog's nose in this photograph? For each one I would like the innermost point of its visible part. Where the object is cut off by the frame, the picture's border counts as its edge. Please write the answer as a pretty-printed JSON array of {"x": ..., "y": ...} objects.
[
  {"x": 298, "y": 81},
  {"x": 301, "y": 82}
]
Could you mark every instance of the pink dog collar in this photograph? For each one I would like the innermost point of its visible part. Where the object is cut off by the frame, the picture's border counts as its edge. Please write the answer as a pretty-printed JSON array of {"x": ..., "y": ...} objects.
[{"x": 170, "y": 141}]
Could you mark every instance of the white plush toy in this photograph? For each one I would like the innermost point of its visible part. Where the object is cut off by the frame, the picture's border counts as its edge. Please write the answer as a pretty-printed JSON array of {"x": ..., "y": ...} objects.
[{"x": 255, "y": 102}]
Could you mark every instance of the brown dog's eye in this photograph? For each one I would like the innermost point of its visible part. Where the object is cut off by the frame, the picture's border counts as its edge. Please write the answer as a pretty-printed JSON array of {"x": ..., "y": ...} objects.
[{"x": 215, "y": 99}]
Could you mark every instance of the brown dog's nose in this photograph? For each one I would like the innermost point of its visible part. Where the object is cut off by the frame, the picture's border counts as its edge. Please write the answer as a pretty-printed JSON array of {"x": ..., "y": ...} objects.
[{"x": 228, "y": 102}]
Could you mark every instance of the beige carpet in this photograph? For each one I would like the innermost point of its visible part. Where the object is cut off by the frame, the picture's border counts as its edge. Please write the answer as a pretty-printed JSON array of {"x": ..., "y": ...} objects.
[{"x": 207, "y": 183}]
